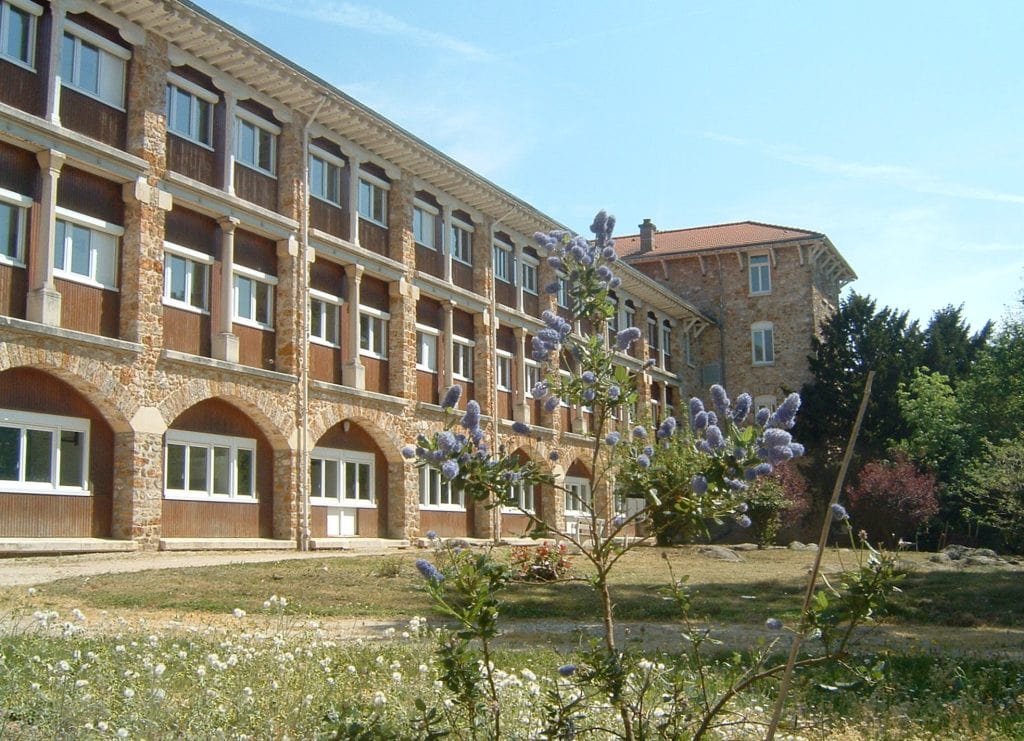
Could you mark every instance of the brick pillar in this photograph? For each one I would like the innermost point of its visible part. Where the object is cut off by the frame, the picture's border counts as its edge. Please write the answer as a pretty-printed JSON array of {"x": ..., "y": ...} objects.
[
  {"x": 484, "y": 525},
  {"x": 291, "y": 169},
  {"x": 401, "y": 246},
  {"x": 403, "y": 500},
  {"x": 288, "y": 305},
  {"x": 552, "y": 500},
  {"x": 483, "y": 258},
  {"x": 138, "y": 480},
  {"x": 402, "y": 339},
  {"x": 44, "y": 300},
  {"x": 287, "y": 470}
]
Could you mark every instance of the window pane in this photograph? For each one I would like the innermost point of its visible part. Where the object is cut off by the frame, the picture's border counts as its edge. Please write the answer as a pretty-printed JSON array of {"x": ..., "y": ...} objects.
[
  {"x": 246, "y": 143},
  {"x": 201, "y": 109},
  {"x": 17, "y": 39},
  {"x": 351, "y": 480},
  {"x": 769, "y": 345},
  {"x": 197, "y": 468},
  {"x": 365, "y": 491},
  {"x": 175, "y": 467},
  {"x": 39, "y": 456},
  {"x": 88, "y": 67},
  {"x": 243, "y": 297},
  {"x": 79, "y": 250},
  {"x": 9, "y": 230},
  {"x": 330, "y": 323},
  {"x": 246, "y": 474},
  {"x": 221, "y": 470},
  {"x": 181, "y": 111},
  {"x": 10, "y": 454},
  {"x": 316, "y": 477},
  {"x": 332, "y": 487},
  {"x": 198, "y": 272},
  {"x": 316, "y": 318},
  {"x": 266, "y": 150},
  {"x": 72, "y": 458},
  {"x": 174, "y": 274},
  {"x": 263, "y": 293},
  {"x": 365, "y": 332},
  {"x": 67, "y": 59}
]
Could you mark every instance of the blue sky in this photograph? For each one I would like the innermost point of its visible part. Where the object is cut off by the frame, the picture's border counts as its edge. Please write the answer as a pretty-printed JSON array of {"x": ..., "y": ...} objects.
[{"x": 895, "y": 128}]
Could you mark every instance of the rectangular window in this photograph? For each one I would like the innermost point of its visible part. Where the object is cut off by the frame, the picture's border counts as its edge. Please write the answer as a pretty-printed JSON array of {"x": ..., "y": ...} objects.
[
  {"x": 503, "y": 368},
  {"x": 325, "y": 177},
  {"x": 373, "y": 332},
  {"x": 502, "y": 262},
  {"x": 373, "y": 201},
  {"x": 424, "y": 226},
  {"x": 43, "y": 453},
  {"x": 578, "y": 498},
  {"x": 462, "y": 358},
  {"x": 200, "y": 466},
  {"x": 529, "y": 271},
  {"x": 760, "y": 274},
  {"x": 462, "y": 242},
  {"x": 520, "y": 498},
  {"x": 562, "y": 296},
  {"x": 763, "y": 343},
  {"x": 323, "y": 318},
  {"x": 13, "y": 220},
  {"x": 436, "y": 493},
  {"x": 93, "y": 65},
  {"x": 18, "y": 31},
  {"x": 254, "y": 297},
  {"x": 256, "y": 143},
  {"x": 186, "y": 278},
  {"x": 666, "y": 345},
  {"x": 426, "y": 348},
  {"x": 190, "y": 111},
  {"x": 653, "y": 336},
  {"x": 341, "y": 477},
  {"x": 85, "y": 249}
]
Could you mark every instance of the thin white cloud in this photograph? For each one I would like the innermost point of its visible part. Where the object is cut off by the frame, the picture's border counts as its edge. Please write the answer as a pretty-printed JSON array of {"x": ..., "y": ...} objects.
[
  {"x": 899, "y": 176},
  {"x": 370, "y": 20}
]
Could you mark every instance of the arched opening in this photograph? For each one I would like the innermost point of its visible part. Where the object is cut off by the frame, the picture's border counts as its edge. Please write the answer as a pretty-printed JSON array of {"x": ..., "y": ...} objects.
[
  {"x": 578, "y": 497},
  {"x": 348, "y": 493},
  {"x": 522, "y": 499},
  {"x": 218, "y": 475},
  {"x": 56, "y": 459}
]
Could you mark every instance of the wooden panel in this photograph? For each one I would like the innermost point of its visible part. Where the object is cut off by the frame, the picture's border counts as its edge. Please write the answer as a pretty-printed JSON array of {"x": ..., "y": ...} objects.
[
  {"x": 463, "y": 324},
  {"x": 89, "y": 194},
  {"x": 446, "y": 524},
  {"x": 373, "y": 292},
  {"x": 193, "y": 230},
  {"x": 373, "y": 237},
  {"x": 327, "y": 276},
  {"x": 578, "y": 469},
  {"x": 187, "y": 331},
  {"x": 462, "y": 276},
  {"x": 531, "y": 304},
  {"x": 54, "y": 516},
  {"x": 376, "y": 374},
  {"x": 256, "y": 347},
  {"x": 329, "y": 218},
  {"x": 186, "y": 519},
  {"x": 505, "y": 293},
  {"x": 88, "y": 309},
  {"x": 368, "y": 523},
  {"x": 506, "y": 339},
  {"x": 94, "y": 119},
  {"x": 537, "y": 412},
  {"x": 427, "y": 387},
  {"x": 514, "y": 525},
  {"x": 256, "y": 252},
  {"x": 192, "y": 160},
  {"x": 428, "y": 312},
  {"x": 430, "y": 261},
  {"x": 468, "y": 391},
  {"x": 318, "y": 522},
  {"x": 13, "y": 291},
  {"x": 256, "y": 187},
  {"x": 325, "y": 363},
  {"x": 21, "y": 88},
  {"x": 504, "y": 405},
  {"x": 19, "y": 170}
]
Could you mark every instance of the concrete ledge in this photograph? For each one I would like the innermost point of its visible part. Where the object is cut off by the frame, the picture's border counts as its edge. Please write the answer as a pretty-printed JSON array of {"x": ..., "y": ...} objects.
[
  {"x": 50, "y": 546},
  {"x": 356, "y": 544},
  {"x": 226, "y": 544}
]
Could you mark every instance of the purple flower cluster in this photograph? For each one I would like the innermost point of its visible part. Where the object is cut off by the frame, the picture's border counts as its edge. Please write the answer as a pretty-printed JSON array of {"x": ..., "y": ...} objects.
[{"x": 429, "y": 571}]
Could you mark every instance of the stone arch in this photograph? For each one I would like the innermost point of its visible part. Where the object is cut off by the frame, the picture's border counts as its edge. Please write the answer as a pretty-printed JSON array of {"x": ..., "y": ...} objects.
[
  {"x": 376, "y": 427},
  {"x": 517, "y": 524}
]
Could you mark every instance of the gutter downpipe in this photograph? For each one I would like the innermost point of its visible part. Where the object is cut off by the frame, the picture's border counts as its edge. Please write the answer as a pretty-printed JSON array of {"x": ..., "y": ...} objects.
[{"x": 303, "y": 298}]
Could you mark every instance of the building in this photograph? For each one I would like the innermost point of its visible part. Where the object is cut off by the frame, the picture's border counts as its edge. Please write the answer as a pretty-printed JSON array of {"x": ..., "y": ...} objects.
[
  {"x": 230, "y": 294},
  {"x": 768, "y": 288}
]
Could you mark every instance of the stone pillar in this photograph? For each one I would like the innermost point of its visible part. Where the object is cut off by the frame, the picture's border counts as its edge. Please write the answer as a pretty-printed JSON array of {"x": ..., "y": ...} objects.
[
  {"x": 288, "y": 305},
  {"x": 228, "y": 174},
  {"x": 521, "y": 406},
  {"x": 287, "y": 469},
  {"x": 353, "y": 372},
  {"x": 403, "y": 501},
  {"x": 483, "y": 259},
  {"x": 138, "y": 479},
  {"x": 353, "y": 198},
  {"x": 484, "y": 524},
  {"x": 552, "y": 500},
  {"x": 53, "y": 61},
  {"x": 604, "y": 501},
  {"x": 484, "y": 377},
  {"x": 142, "y": 259},
  {"x": 446, "y": 240},
  {"x": 402, "y": 339},
  {"x": 448, "y": 307},
  {"x": 517, "y": 259},
  {"x": 44, "y": 300},
  {"x": 225, "y": 341},
  {"x": 401, "y": 244},
  {"x": 291, "y": 170}
]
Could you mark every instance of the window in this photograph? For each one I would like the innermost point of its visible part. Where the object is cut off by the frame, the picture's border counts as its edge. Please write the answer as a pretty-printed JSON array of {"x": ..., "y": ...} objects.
[
  {"x": 373, "y": 200},
  {"x": 532, "y": 376},
  {"x": 85, "y": 249},
  {"x": 629, "y": 314},
  {"x": 43, "y": 453},
  {"x": 562, "y": 296},
  {"x": 341, "y": 476},
  {"x": 373, "y": 332},
  {"x": 503, "y": 370},
  {"x": 462, "y": 358},
  {"x": 190, "y": 111},
  {"x": 256, "y": 143},
  {"x": 666, "y": 345},
  {"x": 424, "y": 225},
  {"x": 502, "y": 262},
  {"x": 613, "y": 320},
  {"x": 760, "y": 274},
  {"x": 325, "y": 177},
  {"x": 186, "y": 277},
  {"x": 764, "y": 402},
  {"x": 426, "y": 348},
  {"x": 520, "y": 497},
  {"x": 254, "y": 297},
  {"x": 13, "y": 220},
  {"x": 18, "y": 30},
  {"x": 93, "y": 65},
  {"x": 529, "y": 271},
  {"x": 762, "y": 336},
  {"x": 199, "y": 466},
  {"x": 462, "y": 242},
  {"x": 436, "y": 493},
  {"x": 323, "y": 318},
  {"x": 653, "y": 336},
  {"x": 578, "y": 498}
]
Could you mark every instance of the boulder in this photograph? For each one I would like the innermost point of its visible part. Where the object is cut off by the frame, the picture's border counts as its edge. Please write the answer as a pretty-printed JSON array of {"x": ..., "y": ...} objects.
[{"x": 719, "y": 552}]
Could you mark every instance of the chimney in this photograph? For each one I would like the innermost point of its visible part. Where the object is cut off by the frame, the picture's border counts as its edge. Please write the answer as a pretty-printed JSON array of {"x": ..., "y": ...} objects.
[{"x": 647, "y": 230}]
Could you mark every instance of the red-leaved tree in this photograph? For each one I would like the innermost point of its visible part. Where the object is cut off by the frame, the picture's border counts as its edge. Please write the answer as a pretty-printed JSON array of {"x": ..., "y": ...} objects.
[{"x": 892, "y": 499}]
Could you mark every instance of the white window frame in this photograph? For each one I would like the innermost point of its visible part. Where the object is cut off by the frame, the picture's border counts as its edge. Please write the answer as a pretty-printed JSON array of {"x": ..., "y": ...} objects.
[
  {"x": 503, "y": 359},
  {"x": 449, "y": 498},
  {"x": 371, "y": 185},
  {"x": 666, "y": 343},
  {"x": 189, "y": 440},
  {"x": 55, "y": 425},
  {"x": 578, "y": 491},
  {"x": 528, "y": 269},
  {"x": 462, "y": 356},
  {"x": 259, "y": 279},
  {"x": 377, "y": 323},
  {"x": 190, "y": 257},
  {"x": 461, "y": 241},
  {"x": 320, "y": 187},
  {"x": 198, "y": 98},
  {"x": 328, "y": 305},
  {"x": 531, "y": 375},
  {"x": 766, "y": 401},
  {"x": 246, "y": 119},
  {"x": 763, "y": 333},
  {"x": 20, "y": 206},
  {"x": 562, "y": 295},
  {"x": 424, "y": 224},
  {"x": 112, "y": 66},
  {"x": 505, "y": 275},
  {"x": 763, "y": 272},
  {"x": 426, "y": 337},
  {"x": 33, "y": 11},
  {"x": 628, "y": 314},
  {"x": 112, "y": 233},
  {"x": 341, "y": 458},
  {"x": 519, "y": 496}
]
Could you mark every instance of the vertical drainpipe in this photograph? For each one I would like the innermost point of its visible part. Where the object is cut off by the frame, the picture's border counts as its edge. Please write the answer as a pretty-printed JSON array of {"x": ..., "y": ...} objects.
[{"x": 303, "y": 344}]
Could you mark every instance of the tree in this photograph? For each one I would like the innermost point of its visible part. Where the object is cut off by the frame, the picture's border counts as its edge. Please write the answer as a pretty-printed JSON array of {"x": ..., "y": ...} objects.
[
  {"x": 936, "y": 430},
  {"x": 994, "y": 390},
  {"x": 892, "y": 499},
  {"x": 949, "y": 348},
  {"x": 994, "y": 488}
]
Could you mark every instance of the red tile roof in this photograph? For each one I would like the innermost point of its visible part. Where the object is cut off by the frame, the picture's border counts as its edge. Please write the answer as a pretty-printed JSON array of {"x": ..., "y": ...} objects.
[{"x": 719, "y": 236}]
